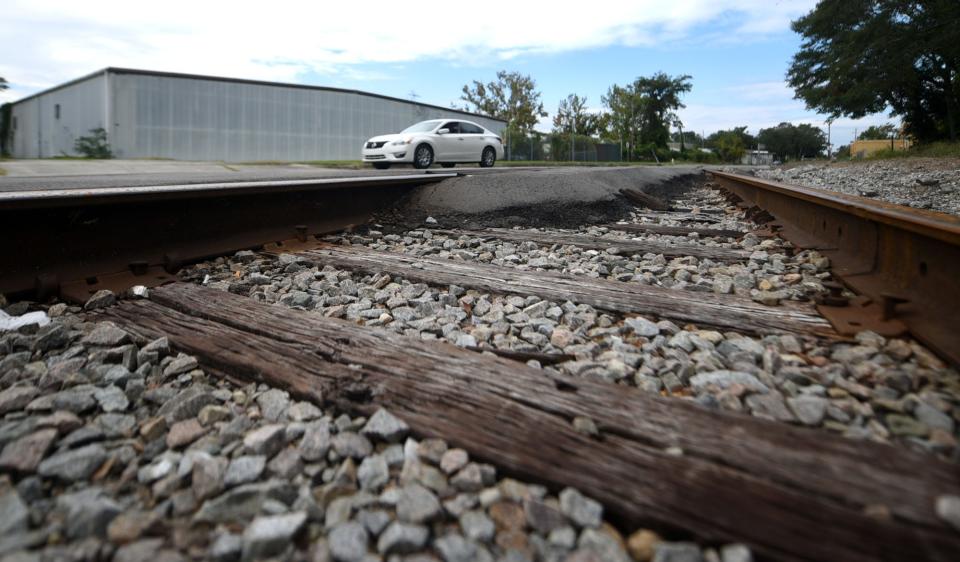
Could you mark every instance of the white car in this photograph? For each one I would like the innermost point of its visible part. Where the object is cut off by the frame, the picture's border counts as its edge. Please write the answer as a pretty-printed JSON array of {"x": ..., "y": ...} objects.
[{"x": 443, "y": 141}]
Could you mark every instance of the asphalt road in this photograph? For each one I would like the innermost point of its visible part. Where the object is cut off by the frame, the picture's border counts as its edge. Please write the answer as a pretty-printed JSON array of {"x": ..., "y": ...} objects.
[
  {"x": 40, "y": 175},
  {"x": 544, "y": 191}
]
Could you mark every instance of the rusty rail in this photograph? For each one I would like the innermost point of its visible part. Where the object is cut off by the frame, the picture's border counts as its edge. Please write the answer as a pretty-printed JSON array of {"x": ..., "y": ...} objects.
[
  {"x": 73, "y": 242},
  {"x": 903, "y": 262}
]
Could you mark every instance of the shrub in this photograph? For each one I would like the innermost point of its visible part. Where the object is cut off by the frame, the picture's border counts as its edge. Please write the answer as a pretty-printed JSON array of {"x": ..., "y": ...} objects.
[{"x": 95, "y": 145}]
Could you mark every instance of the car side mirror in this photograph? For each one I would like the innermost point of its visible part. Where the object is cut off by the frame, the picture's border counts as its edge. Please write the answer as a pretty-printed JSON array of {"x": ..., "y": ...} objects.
[{"x": 443, "y": 131}]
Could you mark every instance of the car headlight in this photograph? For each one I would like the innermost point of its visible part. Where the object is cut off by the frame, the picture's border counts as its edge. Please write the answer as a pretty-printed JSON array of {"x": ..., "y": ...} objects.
[{"x": 404, "y": 140}]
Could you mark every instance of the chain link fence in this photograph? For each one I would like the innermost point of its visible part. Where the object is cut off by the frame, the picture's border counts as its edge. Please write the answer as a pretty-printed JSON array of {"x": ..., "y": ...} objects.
[{"x": 550, "y": 147}]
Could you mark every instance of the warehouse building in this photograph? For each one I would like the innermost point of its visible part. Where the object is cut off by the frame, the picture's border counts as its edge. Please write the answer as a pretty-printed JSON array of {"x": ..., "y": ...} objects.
[{"x": 150, "y": 114}]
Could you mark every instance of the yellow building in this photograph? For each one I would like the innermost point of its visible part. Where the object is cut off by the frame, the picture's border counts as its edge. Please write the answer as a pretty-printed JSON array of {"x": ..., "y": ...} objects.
[{"x": 864, "y": 148}]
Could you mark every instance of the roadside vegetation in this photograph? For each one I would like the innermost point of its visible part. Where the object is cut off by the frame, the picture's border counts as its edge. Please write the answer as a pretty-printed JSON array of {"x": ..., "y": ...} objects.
[
  {"x": 345, "y": 164},
  {"x": 638, "y": 123},
  {"x": 635, "y": 123},
  {"x": 94, "y": 145},
  {"x": 930, "y": 150}
]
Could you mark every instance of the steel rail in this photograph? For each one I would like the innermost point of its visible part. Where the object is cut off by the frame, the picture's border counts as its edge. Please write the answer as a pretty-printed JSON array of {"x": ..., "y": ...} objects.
[
  {"x": 904, "y": 262},
  {"x": 73, "y": 242},
  {"x": 34, "y": 198}
]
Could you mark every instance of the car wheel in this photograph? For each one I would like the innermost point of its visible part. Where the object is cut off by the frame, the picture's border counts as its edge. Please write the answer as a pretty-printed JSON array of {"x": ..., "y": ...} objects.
[
  {"x": 488, "y": 157},
  {"x": 381, "y": 165},
  {"x": 448, "y": 164},
  {"x": 423, "y": 157}
]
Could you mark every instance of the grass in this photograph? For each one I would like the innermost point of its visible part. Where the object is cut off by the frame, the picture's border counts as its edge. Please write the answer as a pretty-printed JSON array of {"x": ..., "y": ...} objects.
[
  {"x": 3, "y": 172},
  {"x": 510, "y": 163},
  {"x": 65, "y": 157},
  {"x": 358, "y": 165},
  {"x": 345, "y": 164},
  {"x": 929, "y": 150}
]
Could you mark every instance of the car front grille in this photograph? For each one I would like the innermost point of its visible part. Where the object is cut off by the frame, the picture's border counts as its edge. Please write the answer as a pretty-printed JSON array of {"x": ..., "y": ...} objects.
[
  {"x": 374, "y": 157},
  {"x": 376, "y": 144}
]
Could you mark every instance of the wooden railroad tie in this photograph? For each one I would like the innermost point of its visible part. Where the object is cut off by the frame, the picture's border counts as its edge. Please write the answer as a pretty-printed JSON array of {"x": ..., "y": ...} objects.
[
  {"x": 706, "y": 309},
  {"x": 668, "y": 249},
  {"x": 790, "y": 493}
]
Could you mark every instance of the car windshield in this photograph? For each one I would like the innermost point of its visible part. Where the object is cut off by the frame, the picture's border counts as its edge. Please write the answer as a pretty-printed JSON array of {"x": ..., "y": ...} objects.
[{"x": 421, "y": 127}]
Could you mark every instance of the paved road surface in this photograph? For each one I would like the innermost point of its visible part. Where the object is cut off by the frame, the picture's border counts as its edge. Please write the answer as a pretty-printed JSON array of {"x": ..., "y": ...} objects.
[{"x": 30, "y": 175}]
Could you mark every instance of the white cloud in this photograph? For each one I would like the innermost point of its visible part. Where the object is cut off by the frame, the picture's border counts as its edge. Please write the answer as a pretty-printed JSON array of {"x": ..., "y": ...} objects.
[{"x": 49, "y": 41}]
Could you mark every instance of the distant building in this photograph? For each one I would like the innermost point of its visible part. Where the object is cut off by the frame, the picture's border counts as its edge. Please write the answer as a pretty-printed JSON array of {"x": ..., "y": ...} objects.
[
  {"x": 864, "y": 148},
  {"x": 150, "y": 114},
  {"x": 686, "y": 146},
  {"x": 757, "y": 158}
]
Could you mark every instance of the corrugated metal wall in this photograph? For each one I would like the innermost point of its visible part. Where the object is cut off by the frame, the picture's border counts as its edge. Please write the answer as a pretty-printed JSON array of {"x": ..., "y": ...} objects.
[
  {"x": 39, "y": 133},
  {"x": 162, "y": 116},
  {"x": 188, "y": 118}
]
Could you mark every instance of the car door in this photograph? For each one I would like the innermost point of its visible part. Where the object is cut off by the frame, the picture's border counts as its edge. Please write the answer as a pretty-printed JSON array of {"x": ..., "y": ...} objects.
[
  {"x": 473, "y": 141},
  {"x": 449, "y": 145}
]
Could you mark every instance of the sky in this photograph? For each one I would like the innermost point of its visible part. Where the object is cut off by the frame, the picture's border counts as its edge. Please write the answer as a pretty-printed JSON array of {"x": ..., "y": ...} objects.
[{"x": 737, "y": 51}]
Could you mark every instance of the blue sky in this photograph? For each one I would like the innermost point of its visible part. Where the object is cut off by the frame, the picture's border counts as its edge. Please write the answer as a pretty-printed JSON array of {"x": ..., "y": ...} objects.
[{"x": 737, "y": 51}]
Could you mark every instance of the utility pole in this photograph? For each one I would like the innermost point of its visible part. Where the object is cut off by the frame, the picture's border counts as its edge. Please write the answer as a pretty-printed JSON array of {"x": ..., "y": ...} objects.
[
  {"x": 573, "y": 139},
  {"x": 829, "y": 143}
]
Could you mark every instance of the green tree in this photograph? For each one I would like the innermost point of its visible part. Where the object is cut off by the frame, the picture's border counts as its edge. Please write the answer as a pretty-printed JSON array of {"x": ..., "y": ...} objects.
[
  {"x": 689, "y": 139},
  {"x": 662, "y": 100},
  {"x": 746, "y": 139},
  {"x": 572, "y": 116},
  {"x": 641, "y": 114},
  {"x": 512, "y": 97},
  {"x": 793, "y": 141},
  {"x": 623, "y": 119},
  {"x": 864, "y": 56},
  {"x": 3, "y": 84},
  {"x": 728, "y": 145},
  {"x": 878, "y": 132}
]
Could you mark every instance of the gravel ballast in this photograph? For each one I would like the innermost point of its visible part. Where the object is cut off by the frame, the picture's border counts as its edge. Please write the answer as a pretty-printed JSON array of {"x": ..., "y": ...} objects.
[
  {"x": 923, "y": 183},
  {"x": 888, "y": 390},
  {"x": 193, "y": 467},
  {"x": 112, "y": 448}
]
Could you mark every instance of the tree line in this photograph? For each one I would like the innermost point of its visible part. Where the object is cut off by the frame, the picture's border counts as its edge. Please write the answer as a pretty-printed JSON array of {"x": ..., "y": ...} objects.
[{"x": 641, "y": 117}]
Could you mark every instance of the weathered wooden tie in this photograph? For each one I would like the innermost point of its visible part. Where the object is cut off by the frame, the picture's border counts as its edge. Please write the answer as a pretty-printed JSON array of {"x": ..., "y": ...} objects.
[
  {"x": 599, "y": 243},
  {"x": 706, "y": 309},
  {"x": 789, "y": 493},
  {"x": 645, "y": 200},
  {"x": 675, "y": 230}
]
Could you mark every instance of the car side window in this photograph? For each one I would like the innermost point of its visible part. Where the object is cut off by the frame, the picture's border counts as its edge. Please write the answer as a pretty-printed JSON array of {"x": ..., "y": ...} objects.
[
  {"x": 470, "y": 129},
  {"x": 453, "y": 126}
]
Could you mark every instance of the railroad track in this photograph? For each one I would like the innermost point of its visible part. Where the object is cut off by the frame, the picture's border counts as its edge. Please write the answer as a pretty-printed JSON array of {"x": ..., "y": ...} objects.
[{"x": 575, "y": 358}]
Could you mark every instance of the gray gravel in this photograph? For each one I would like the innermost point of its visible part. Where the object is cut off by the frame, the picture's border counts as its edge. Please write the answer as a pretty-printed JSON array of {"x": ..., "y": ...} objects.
[
  {"x": 188, "y": 467},
  {"x": 870, "y": 388},
  {"x": 914, "y": 182},
  {"x": 118, "y": 449}
]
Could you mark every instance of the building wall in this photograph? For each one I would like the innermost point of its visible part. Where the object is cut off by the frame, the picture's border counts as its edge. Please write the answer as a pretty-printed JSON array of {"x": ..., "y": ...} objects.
[
  {"x": 864, "y": 148},
  {"x": 39, "y": 133},
  {"x": 757, "y": 158},
  {"x": 162, "y": 116},
  {"x": 155, "y": 115}
]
